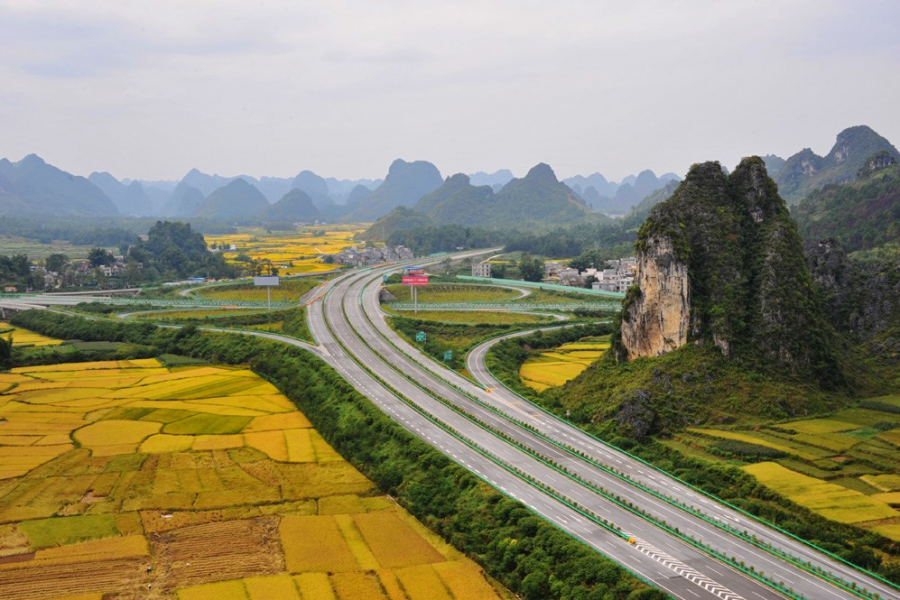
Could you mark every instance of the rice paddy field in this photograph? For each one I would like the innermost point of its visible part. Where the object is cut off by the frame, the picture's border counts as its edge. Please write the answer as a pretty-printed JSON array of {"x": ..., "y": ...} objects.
[
  {"x": 294, "y": 252},
  {"x": 23, "y": 337},
  {"x": 129, "y": 479},
  {"x": 845, "y": 466},
  {"x": 194, "y": 314},
  {"x": 437, "y": 293},
  {"x": 288, "y": 290},
  {"x": 497, "y": 317},
  {"x": 555, "y": 367}
]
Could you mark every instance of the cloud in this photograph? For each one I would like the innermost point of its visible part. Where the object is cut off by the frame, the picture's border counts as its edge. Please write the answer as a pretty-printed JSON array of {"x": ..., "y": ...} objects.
[{"x": 151, "y": 89}]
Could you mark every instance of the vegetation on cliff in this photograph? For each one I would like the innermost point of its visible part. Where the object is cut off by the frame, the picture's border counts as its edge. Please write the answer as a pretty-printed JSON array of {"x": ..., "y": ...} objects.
[
  {"x": 750, "y": 290},
  {"x": 860, "y": 215}
]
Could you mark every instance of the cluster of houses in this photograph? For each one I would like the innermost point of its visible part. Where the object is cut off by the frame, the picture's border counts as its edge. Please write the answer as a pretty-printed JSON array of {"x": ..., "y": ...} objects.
[
  {"x": 361, "y": 257},
  {"x": 617, "y": 276}
]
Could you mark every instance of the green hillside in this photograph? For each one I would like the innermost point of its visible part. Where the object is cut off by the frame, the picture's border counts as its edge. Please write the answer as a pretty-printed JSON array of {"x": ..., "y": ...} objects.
[
  {"x": 237, "y": 200},
  {"x": 806, "y": 171},
  {"x": 33, "y": 187},
  {"x": 860, "y": 215}
]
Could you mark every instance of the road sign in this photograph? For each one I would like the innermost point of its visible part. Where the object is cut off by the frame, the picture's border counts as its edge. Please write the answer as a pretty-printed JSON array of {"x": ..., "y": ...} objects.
[
  {"x": 384, "y": 278},
  {"x": 269, "y": 282},
  {"x": 414, "y": 280},
  {"x": 420, "y": 337},
  {"x": 448, "y": 355}
]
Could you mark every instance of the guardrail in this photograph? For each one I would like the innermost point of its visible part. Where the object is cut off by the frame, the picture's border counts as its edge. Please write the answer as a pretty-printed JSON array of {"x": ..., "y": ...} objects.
[
  {"x": 590, "y": 486},
  {"x": 505, "y": 306},
  {"x": 834, "y": 579},
  {"x": 543, "y": 286}
]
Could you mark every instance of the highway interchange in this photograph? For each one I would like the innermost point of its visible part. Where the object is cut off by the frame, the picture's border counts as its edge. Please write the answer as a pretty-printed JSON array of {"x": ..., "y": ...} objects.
[
  {"x": 565, "y": 475},
  {"x": 674, "y": 537}
]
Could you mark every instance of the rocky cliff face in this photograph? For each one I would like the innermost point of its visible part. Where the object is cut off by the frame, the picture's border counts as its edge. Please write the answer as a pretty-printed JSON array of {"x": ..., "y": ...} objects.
[
  {"x": 721, "y": 263},
  {"x": 659, "y": 313}
]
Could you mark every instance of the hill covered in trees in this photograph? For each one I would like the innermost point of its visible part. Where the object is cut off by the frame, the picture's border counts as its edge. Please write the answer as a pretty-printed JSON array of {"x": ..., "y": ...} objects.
[
  {"x": 861, "y": 215},
  {"x": 173, "y": 250},
  {"x": 806, "y": 171}
]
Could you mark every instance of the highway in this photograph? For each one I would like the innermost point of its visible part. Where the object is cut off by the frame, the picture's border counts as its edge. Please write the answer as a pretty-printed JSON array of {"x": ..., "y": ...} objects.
[
  {"x": 674, "y": 537},
  {"x": 402, "y": 381}
]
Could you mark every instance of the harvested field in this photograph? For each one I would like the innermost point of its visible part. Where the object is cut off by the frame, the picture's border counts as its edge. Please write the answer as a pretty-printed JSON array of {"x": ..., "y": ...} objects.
[{"x": 217, "y": 552}]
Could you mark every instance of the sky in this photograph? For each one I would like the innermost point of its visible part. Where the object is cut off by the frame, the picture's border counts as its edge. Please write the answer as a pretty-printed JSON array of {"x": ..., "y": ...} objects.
[{"x": 150, "y": 89}]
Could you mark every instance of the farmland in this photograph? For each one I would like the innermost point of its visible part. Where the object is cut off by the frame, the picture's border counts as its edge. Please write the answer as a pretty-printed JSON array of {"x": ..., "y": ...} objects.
[
  {"x": 556, "y": 366},
  {"x": 844, "y": 466},
  {"x": 294, "y": 252},
  {"x": 23, "y": 337},
  {"x": 473, "y": 316},
  {"x": 206, "y": 475},
  {"x": 440, "y": 292},
  {"x": 288, "y": 290}
]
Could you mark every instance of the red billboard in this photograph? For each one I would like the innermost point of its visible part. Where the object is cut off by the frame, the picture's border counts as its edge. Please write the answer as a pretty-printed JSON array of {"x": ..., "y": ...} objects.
[{"x": 415, "y": 280}]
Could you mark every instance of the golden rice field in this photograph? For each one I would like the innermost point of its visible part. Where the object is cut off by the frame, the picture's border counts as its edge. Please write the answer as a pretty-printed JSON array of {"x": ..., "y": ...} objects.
[
  {"x": 470, "y": 316},
  {"x": 559, "y": 365},
  {"x": 844, "y": 466},
  {"x": 832, "y": 501},
  {"x": 23, "y": 337},
  {"x": 199, "y": 313},
  {"x": 295, "y": 252},
  {"x": 209, "y": 477},
  {"x": 288, "y": 290}
]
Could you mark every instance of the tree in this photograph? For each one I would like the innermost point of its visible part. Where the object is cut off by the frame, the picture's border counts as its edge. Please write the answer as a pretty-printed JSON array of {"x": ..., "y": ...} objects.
[
  {"x": 531, "y": 269},
  {"x": 56, "y": 262},
  {"x": 100, "y": 256}
]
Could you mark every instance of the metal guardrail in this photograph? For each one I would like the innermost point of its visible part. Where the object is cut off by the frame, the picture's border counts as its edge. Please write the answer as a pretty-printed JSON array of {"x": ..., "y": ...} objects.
[
  {"x": 160, "y": 302},
  {"x": 543, "y": 286},
  {"x": 510, "y": 306}
]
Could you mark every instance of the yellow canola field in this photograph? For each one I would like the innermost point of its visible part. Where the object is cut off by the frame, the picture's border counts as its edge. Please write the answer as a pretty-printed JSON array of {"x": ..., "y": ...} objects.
[
  {"x": 207, "y": 466},
  {"x": 23, "y": 337},
  {"x": 294, "y": 252},
  {"x": 555, "y": 367},
  {"x": 829, "y": 500}
]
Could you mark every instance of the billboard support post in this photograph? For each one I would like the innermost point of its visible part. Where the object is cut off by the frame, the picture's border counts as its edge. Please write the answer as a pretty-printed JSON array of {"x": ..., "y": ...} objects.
[
  {"x": 414, "y": 277},
  {"x": 268, "y": 282}
]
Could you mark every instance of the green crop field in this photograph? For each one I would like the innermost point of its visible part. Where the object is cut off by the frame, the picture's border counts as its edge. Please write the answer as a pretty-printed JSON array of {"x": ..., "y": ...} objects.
[
  {"x": 440, "y": 292},
  {"x": 473, "y": 316},
  {"x": 846, "y": 464},
  {"x": 288, "y": 290}
]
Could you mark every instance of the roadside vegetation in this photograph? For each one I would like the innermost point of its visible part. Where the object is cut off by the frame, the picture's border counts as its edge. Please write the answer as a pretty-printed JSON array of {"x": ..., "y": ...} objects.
[
  {"x": 528, "y": 555},
  {"x": 830, "y": 480}
]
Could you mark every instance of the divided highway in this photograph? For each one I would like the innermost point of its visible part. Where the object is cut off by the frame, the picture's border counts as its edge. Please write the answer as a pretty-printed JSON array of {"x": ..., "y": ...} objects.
[{"x": 683, "y": 542}]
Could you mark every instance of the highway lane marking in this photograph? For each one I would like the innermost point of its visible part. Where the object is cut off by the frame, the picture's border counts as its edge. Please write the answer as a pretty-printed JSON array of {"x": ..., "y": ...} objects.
[{"x": 689, "y": 573}]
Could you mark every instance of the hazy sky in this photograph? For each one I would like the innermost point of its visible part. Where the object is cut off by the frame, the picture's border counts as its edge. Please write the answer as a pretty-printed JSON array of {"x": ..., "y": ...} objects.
[{"x": 150, "y": 89}]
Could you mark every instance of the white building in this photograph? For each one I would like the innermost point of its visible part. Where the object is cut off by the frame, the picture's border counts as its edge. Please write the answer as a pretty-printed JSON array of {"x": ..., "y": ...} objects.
[{"x": 482, "y": 269}]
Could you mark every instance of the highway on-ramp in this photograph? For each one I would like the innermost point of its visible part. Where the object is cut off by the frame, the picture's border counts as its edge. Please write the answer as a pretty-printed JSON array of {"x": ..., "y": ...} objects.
[{"x": 566, "y": 475}]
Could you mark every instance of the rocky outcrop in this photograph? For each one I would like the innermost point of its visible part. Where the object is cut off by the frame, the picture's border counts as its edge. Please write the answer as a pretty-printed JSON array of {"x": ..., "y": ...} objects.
[
  {"x": 721, "y": 263},
  {"x": 657, "y": 317}
]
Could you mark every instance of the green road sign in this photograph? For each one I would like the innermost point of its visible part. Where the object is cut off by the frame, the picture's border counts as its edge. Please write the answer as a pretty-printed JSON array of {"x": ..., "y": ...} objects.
[
  {"x": 420, "y": 337},
  {"x": 448, "y": 355}
]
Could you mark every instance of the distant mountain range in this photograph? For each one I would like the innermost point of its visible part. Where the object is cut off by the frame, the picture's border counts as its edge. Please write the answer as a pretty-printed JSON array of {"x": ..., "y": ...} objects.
[
  {"x": 31, "y": 187},
  {"x": 806, "y": 171},
  {"x": 537, "y": 200},
  {"x": 618, "y": 198}
]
